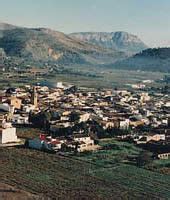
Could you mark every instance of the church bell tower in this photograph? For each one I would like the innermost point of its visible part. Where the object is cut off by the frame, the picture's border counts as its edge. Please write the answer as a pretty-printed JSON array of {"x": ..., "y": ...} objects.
[{"x": 34, "y": 97}]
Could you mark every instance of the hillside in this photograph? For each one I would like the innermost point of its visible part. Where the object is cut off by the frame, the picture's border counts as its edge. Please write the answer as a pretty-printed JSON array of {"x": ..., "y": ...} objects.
[
  {"x": 60, "y": 177},
  {"x": 120, "y": 41},
  {"x": 43, "y": 45},
  {"x": 5, "y": 26},
  {"x": 157, "y": 59}
]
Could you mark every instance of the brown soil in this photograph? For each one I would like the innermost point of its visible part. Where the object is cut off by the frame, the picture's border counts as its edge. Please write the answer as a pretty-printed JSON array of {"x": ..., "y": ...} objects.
[{"x": 8, "y": 192}]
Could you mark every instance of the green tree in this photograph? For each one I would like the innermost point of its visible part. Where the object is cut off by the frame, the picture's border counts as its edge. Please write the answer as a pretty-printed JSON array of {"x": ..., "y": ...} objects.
[
  {"x": 74, "y": 117},
  {"x": 40, "y": 120},
  {"x": 144, "y": 158}
]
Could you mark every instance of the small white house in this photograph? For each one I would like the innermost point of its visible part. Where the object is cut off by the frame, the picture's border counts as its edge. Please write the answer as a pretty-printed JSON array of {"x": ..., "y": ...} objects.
[
  {"x": 28, "y": 108},
  {"x": 8, "y": 135},
  {"x": 124, "y": 123},
  {"x": 40, "y": 144},
  {"x": 86, "y": 139},
  {"x": 19, "y": 119}
]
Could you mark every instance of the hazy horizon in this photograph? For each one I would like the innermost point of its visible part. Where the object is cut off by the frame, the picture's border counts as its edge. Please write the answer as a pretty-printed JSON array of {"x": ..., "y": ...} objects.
[{"x": 149, "y": 20}]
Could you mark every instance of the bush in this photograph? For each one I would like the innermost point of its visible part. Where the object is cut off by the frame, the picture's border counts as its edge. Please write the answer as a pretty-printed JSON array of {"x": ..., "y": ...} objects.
[{"x": 144, "y": 158}]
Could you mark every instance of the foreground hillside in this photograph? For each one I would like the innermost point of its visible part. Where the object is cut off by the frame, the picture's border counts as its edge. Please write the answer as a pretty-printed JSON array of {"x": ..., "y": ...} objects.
[
  {"x": 8, "y": 192},
  {"x": 148, "y": 60},
  {"x": 73, "y": 178}
]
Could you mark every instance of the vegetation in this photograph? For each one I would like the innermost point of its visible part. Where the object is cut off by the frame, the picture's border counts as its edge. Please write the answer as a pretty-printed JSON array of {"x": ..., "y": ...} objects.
[
  {"x": 28, "y": 132},
  {"x": 44, "y": 45},
  {"x": 112, "y": 152},
  {"x": 41, "y": 120},
  {"x": 64, "y": 176},
  {"x": 105, "y": 78},
  {"x": 144, "y": 158},
  {"x": 148, "y": 60},
  {"x": 161, "y": 166}
]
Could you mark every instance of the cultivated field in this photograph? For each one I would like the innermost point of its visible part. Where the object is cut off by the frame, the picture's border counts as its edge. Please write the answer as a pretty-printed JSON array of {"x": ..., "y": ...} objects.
[
  {"x": 72, "y": 177},
  {"x": 105, "y": 78},
  {"x": 91, "y": 77},
  {"x": 11, "y": 193}
]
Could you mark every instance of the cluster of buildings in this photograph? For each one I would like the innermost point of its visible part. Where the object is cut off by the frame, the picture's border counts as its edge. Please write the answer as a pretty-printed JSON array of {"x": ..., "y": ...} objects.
[
  {"x": 74, "y": 143},
  {"x": 146, "y": 116}
]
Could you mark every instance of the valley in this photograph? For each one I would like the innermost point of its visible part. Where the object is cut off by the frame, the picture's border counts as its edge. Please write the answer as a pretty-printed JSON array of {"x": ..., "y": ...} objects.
[{"x": 84, "y": 76}]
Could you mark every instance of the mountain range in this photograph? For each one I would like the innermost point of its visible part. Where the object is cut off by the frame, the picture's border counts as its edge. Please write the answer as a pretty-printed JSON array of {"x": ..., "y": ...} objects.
[
  {"x": 120, "y": 41},
  {"x": 42, "y": 45},
  {"x": 5, "y": 26},
  {"x": 116, "y": 50}
]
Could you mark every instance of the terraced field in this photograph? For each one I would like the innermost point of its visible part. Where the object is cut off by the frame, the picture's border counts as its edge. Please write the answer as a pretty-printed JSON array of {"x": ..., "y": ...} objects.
[
  {"x": 139, "y": 180},
  {"x": 56, "y": 176}
]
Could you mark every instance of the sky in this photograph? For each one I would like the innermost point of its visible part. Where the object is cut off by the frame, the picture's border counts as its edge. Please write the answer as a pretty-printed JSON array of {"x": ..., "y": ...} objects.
[{"x": 148, "y": 19}]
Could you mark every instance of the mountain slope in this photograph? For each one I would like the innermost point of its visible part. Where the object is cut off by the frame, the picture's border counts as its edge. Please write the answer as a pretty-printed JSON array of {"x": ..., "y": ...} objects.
[
  {"x": 44, "y": 44},
  {"x": 121, "y": 41},
  {"x": 157, "y": 59},
  {"x": 5, "y": 26}
]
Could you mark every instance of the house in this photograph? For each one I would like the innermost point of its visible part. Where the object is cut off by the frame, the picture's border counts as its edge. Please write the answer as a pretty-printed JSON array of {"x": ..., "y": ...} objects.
[
  {"x": 124, "y": 123},
  {"x": 144, "y": 97},
  {"x": 15, "y": 102},
  {"x": 11, "y": 92},
  {"x": 7, "y": 133},
  {"x": 163, "y": 156},
  {"x": 83, "y": 138},
  {"x": 28, "y": 108},
  {"x": 85, "y": 143},
  {"x": 106, "y": 124},
  {"x": 20, "y": 119},
  {"x": 151, "y": 137},
  {"x": 44, "y": 143},
  {"x": 84, "y": 117},
  {"x": 136, "y": 121}
]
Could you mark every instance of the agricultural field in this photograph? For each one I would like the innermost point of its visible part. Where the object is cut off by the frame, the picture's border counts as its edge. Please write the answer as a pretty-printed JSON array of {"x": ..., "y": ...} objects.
[
  {"x": 98, "y": 175},
  {"x": 113, "y": 153},
  {"x": 55, "y": 176},
  {"x": 91, "y": 77},
  {"x": 162, "y": 166},
  {"x": 9, "y": 192},
  {"x": 96, "y": 77}
]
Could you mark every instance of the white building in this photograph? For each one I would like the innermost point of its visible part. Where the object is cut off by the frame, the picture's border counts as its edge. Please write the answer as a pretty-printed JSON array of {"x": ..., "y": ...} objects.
[
  {"x": 28, "y": 108},
  {"x": 84, "y": 117},
  {"x": 8, "y": 135},
  {"x": 86, "y": 139},
  {"x": 19, "y": 119},
  {"x": 124, "y": 124},
  {"x": 59, "y": 85},
  {"x": 46, "y": 144}
]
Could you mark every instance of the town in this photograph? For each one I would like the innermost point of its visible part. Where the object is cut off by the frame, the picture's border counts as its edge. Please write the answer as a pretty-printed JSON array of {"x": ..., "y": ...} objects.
[
  {"x": 84, "y": 100},
  {"x": 73, "y": 120}
]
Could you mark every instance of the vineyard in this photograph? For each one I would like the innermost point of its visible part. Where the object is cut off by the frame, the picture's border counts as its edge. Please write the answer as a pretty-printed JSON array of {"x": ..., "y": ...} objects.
[{"x": 71, "y": 178}]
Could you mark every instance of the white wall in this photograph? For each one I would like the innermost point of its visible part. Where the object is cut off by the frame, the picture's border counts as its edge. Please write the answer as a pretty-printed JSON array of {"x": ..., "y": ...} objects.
[{"x": 8, "y": 135}]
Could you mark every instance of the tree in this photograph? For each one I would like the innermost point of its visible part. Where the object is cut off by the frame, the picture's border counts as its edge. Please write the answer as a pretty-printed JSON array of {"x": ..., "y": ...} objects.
[
  {"x": 40, "y": 120},
  {"x": 74, "y": 117},
  {"x": 120, "y": 157},
  {"x": 144, "y": 158}
]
